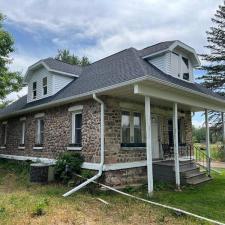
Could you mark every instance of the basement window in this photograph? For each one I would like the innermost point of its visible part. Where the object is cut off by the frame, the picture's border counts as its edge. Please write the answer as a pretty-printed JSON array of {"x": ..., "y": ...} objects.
[{"x": 45, "y": 85}]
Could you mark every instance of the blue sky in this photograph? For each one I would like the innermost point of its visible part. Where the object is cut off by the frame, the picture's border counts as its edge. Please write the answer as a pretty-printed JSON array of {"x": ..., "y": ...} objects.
[{"x": 101, "y": 27}]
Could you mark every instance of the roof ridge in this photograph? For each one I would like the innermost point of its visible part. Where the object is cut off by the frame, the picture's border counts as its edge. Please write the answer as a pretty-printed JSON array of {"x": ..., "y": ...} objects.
[
  {"x": 62, "y": 61},
  {"x": 110, "y": 55}
]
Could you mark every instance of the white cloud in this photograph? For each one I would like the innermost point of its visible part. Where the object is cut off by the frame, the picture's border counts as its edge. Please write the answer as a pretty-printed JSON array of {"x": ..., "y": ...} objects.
[
  {"x": 112, "y": 25},
  {"x": 197, "y": 123}
]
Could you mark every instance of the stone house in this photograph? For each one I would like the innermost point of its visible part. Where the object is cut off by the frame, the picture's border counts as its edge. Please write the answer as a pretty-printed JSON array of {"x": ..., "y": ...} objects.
[{"x": 125, "y": 113}]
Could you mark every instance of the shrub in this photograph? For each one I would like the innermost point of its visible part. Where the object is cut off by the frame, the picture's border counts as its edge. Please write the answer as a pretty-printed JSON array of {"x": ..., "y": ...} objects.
[
  {"x": 39, "y": 208},
  {"x": 68, "y": 164}
]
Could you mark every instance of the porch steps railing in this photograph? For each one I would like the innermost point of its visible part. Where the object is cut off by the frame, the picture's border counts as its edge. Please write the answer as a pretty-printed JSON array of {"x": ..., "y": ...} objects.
[{"x": 202, "y": 159}]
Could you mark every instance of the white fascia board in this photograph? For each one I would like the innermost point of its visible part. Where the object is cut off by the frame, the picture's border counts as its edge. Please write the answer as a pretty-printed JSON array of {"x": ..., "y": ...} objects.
[
  {"x": 42, "y": 63},
  {"x": 182, "y": 98},
  {"x": 156, "y": 53},
  {"x": 188, "y": 48},
  {"x": 63, "y": 73},
  {"x": 185, "y": 89}
]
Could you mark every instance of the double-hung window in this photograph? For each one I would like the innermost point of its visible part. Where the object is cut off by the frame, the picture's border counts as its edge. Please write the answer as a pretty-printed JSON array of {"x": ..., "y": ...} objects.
[
  {"x": 34, "y": 90},
  {"x": 45, "y": 85},
  {"x": 76, "y": 128},
  {"x": 4, "y": 134},
  {"x": 131, "y": 126},
  {"x": 39, "y": 138}
]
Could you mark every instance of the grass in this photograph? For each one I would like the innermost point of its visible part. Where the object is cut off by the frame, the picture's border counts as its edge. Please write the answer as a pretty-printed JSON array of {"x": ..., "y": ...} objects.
[
  {"x": 22, "y": 203},
  {"x": 207, "y": 199}
]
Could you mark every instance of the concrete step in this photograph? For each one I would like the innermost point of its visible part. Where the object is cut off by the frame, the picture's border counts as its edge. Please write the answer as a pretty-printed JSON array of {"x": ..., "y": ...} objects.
[
  {"x": 195, "y": 177},
  {"x": 190, "y": 171},
  {"x": 188, "y": 166},
  {"x": 199, "y": 180}
]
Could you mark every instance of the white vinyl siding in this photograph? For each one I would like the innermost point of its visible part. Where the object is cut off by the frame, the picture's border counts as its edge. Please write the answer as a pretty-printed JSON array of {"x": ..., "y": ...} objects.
[
  {"x": 38, "y": 76},
  {"x": 55, "y": 82},
  {"x": 171, "y": 63},
  {"x": 159, "y": 62},
  {"x": 60, "y": 82}
]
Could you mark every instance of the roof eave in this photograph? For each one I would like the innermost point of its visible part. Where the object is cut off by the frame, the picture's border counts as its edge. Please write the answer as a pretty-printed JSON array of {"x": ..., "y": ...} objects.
[{"x": 101, "y": 90}]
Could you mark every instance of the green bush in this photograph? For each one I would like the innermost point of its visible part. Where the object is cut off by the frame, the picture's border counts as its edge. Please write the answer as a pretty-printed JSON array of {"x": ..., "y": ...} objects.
[
  {"x": 40, "y": 206},
  {"x": 68, "y": 164}
]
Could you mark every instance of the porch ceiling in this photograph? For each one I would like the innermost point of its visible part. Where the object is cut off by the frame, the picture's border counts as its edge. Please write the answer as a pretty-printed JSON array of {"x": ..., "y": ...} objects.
[{"x": 127, "y": 94}]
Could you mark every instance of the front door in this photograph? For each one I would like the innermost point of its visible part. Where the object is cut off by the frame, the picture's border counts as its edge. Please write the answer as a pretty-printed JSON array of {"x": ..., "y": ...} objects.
[{"x": 155, "y": 139}]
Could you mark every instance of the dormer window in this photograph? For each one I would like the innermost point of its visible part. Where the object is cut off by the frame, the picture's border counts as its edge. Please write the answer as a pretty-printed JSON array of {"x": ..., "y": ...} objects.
[
  {"x": 34, "y": 90},
  {"x": 45, "y": 86},
  {"x": 185, "y": 68}
]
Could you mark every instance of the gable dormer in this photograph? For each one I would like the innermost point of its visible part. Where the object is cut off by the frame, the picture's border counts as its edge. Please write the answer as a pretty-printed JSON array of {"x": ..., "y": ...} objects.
[
  {"x": 174, "y": 58},
  {"x": 48, "y": 76}
]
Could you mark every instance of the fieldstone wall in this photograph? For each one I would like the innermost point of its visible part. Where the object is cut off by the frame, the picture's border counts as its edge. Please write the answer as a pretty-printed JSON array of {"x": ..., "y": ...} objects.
[
  {"x": 57, "y": 137},
  {"x": 57, "y": 132}
]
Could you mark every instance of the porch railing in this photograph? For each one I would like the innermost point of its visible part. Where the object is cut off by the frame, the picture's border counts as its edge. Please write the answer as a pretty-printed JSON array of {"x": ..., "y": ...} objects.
[{"x": 202, "y": 159}]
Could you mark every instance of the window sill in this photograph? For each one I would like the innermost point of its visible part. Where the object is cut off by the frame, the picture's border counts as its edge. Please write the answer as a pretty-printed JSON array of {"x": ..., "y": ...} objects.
[
  {"x": 2, "y": 147},
  {"x": 21, "y": 147},
  {"x": 37, "y": 148},
  {"x": 70, "y": 148},
  {"x": 133, "y": 148}
]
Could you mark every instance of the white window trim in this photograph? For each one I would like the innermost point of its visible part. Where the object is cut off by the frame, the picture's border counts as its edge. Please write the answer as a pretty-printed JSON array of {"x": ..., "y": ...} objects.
[
  {"x": 39, "y": 115},
  {"x": 37, "y": 148},
  {"x": 23, "y": 132},
  {"x": 74, "y": 148},
  {"x": 132, "y": 111},
  {"x": 74, "y": 125},
  {"x": 75, "y": 108},
  {"x": 38, "y": 137}
]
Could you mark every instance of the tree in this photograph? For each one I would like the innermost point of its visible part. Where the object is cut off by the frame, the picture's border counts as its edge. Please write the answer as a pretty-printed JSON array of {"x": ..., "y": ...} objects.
[
  {"x": 214, "y": 79},
  {"x": 9, "y": 81},
  {"x": 64, "y": 55}
]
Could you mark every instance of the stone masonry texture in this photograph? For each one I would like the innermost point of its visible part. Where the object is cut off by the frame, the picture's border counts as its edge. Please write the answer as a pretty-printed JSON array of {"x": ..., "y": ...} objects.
[{"x": 57, "y": 137}]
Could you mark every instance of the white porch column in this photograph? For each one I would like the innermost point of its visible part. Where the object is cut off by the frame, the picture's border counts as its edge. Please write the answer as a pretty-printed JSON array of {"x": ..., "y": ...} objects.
[
  {"x": 223, "y": 127},
  {"x": 207, "y": 138},
  {"x": 176, "y": 147},
  {"x": 149, "y": 144}
]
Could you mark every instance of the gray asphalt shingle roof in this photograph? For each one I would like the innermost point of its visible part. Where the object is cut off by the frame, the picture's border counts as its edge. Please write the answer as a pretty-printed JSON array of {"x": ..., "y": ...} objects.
[
  {"x": 155, "y": 48},
  {"x": 58, "y": 65},
  {"x": 117, "y": 68}
]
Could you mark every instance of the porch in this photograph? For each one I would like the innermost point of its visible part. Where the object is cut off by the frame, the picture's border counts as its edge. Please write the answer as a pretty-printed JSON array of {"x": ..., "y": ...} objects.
[{"x": 177, "y": 150}]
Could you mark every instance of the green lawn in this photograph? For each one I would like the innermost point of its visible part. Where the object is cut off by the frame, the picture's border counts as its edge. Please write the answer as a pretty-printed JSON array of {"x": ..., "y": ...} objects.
[
  {"x": 207, "y": 199},
  {"x": 22, "y": 203}
]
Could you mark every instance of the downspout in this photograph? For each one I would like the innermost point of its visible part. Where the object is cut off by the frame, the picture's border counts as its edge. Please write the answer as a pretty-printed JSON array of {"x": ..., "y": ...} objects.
[{"x": 101, "y": 153}]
